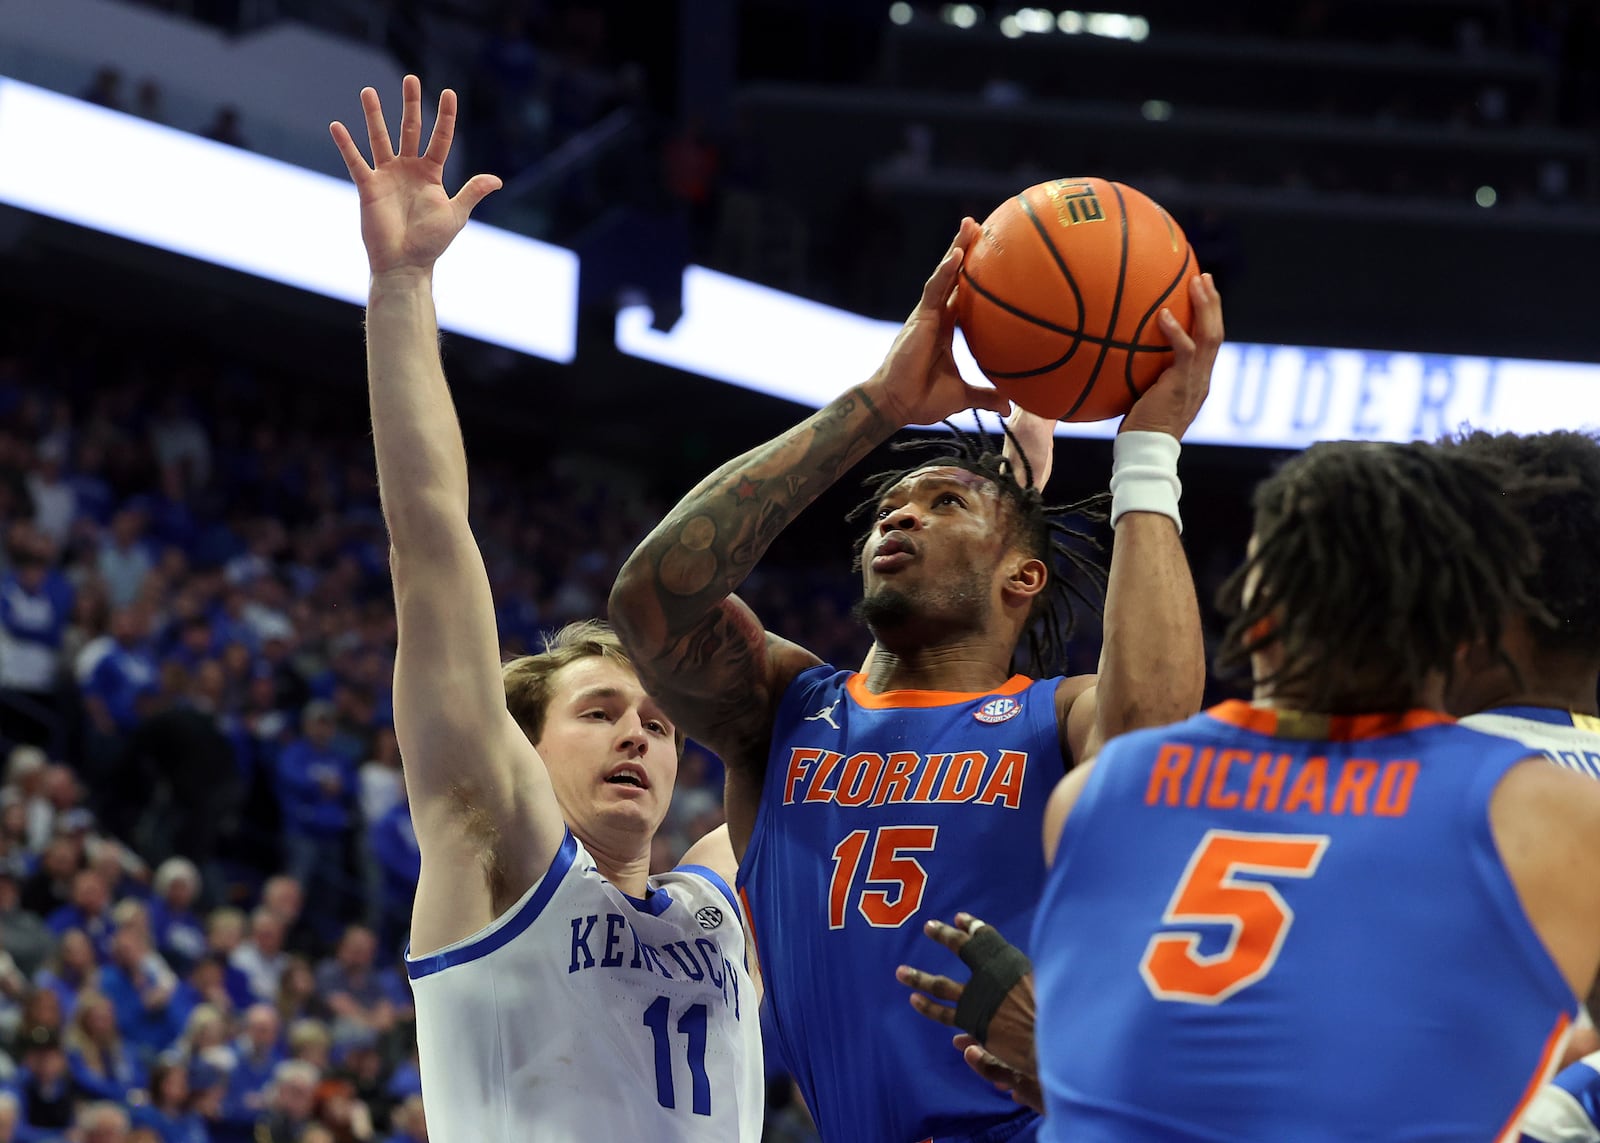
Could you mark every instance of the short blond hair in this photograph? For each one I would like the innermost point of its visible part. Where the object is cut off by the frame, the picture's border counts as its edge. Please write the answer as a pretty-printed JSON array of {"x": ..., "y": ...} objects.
[{"x": 528, "y": 677}]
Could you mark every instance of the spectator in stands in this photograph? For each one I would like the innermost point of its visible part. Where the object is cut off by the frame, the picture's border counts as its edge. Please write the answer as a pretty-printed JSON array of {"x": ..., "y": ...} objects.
[
  {"x": 103, "y": 1123},
  {"x": 175, "y": 926},
  {"x": 148, "y": 102},
  {"x": 168, "y": 1111},
  {"x": 350, "y": 986},
  {"x": 73, "y": 969},
  {"x": 14, "y": 989},
  {"x": 410, "y": 1124},
  {"x": 360, "y": 1063},
  {"x": 283, "y": 896},
  {"x": 141, "y": 989},
  {"x": 124, "y": 674},
  {"x": 224, "y": 938},
  {"x": 224, "y": 127},
  {"x": 46, "y": 1085},
  {"x": 261, "y": 957},
  {"x": 89, "y": 911},
  {"x": 345, "y": 1116},
  {"x": 259, "y": 1051},
  {"x": 125, "y": 557},
  {"x": 298, "y": 997},
  {"x": 50, "y": 887},
  {"x": 36, "y": 603},
  {"x": 101, "y": 1065},
  {"x": 316, "y": 788},
  {"x": 309, "y": 1040},
  {"x": 290, "y": 1102},
  {"x": 392, "y": 846},
  {"x": 206, "y": 986},
  {"x": 23, "y": 934},
  {"x": 205, "y": 1040}
]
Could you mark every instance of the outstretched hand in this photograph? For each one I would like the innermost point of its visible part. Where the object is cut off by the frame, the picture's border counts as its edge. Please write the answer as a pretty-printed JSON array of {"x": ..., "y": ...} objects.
[
  {"x": 1172, "y": 403},
  {"x": 407, "y": 218},
  {"x": 1010, "y": 1032},
  {"x": 918, "y": 383}
]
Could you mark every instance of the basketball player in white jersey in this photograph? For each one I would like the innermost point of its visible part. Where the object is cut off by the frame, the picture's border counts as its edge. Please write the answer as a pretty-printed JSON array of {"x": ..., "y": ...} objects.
[
  {"x": 562, "y": 994},
  {"x": 1549, "y": 700}
]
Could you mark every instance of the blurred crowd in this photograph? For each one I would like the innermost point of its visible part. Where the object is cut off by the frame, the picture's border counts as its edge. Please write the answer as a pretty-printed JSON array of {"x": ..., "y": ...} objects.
[{"x": 206, "y": 856}]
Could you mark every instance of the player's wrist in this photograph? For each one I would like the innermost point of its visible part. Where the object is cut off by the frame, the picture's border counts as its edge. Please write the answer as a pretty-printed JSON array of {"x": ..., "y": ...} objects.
[{"x": 1144, "y": 475}]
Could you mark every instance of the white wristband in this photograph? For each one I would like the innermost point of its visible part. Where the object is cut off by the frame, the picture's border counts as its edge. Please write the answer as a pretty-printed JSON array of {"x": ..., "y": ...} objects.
[{"x": 1144, "y": 475}]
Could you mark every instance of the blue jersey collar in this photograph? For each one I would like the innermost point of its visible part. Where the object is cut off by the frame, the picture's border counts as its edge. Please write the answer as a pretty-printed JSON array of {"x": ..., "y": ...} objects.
[{"x": 1548, "y": 714}]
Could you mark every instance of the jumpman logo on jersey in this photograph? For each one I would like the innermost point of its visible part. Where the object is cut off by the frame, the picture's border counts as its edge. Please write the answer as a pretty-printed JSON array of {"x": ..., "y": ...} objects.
[{"x": 826, "y": 714}]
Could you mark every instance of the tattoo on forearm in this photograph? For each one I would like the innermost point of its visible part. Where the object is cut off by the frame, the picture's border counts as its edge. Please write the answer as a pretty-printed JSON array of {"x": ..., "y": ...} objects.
[{"x": 719, "y": 532}]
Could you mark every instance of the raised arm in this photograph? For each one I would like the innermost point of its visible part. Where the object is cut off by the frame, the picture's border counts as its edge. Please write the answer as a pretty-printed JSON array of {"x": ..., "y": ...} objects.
[
  {"x": 1152, "y": 657},
  {"x": 699, "y": 650},
  {"x": 486, "y": 819}
]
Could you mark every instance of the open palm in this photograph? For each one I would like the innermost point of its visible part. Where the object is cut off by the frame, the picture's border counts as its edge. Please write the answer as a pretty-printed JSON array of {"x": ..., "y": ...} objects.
[{"x": 407, "y": 218}]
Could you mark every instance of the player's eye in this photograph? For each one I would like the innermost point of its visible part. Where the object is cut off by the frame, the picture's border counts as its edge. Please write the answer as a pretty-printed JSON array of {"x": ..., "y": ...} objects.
[
  {"x": 597, "y": 713},
  {"x": 656, "y": 726},
  {"x": 883, "y": 513},
  {"x": 950, "y": 498}
]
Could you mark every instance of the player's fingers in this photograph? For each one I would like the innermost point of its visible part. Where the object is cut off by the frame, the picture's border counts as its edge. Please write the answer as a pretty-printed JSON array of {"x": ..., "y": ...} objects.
[
  {"x": 941, "y": 987},
  {"x": 966, "y": 922},
  {"x": 410, "y": 116},
  {"x": 377, "y": 129},
  {"x": 1208, "y": 328},
  {"x": 478, "y": 188},
  {"x": 936, "y": 292},
  {"x": 355, "y": 162},
  {"x": 969, "y": 233},
  {"x": 938, "y": 1013},
  {"x": 990, "y": 1067},
  {"x": 444, "y": 128},
  {"x": 1183, "y": 346},
  {"x": 949, "y": 936}
]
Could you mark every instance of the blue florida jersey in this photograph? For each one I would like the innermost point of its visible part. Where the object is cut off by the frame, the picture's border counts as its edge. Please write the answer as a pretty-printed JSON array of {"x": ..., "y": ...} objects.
[
  {"x": 1264, "y": 926},
  {"x": 881, "y": 812}
]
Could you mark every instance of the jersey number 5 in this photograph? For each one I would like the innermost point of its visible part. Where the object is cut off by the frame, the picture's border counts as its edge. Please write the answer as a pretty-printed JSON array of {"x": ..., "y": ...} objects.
[
  {"x": 1212, "y": 893},
  {"x": 883, "y": 909}
]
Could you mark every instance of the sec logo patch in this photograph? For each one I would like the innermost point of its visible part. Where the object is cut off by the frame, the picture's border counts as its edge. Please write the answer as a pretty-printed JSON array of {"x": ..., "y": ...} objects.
[
  {"x": 709, "y": 917},
  {"x": 998, "y": 710}
]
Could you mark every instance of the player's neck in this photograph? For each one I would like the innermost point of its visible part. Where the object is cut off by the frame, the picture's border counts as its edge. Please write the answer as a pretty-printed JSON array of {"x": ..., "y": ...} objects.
[
  {"x": 965, "y": 666},
  {"x": 1554, "y": 694},
  {"x": 621, "y": 862}
]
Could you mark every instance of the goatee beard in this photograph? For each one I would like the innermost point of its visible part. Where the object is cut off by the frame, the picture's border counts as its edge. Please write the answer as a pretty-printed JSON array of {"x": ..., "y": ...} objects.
[{"x": 884, "y": 610}]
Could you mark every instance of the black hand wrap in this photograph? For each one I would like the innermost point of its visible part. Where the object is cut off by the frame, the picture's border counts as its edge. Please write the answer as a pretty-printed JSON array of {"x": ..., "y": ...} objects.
[{"x": 996, "y": 965}]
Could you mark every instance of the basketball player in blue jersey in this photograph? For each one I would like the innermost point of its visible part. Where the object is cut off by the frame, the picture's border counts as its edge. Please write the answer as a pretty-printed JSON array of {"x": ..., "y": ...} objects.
[
  {"x": 1270, "y": 942},
  {"x": 1543, "y": 691},
  {"x": 562, "y": 994},
  {"x": 861, "y": 803}
]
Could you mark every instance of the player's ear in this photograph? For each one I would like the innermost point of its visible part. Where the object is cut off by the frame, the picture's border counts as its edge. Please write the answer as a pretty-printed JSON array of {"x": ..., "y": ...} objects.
[{"x": 1026, "y": 578}]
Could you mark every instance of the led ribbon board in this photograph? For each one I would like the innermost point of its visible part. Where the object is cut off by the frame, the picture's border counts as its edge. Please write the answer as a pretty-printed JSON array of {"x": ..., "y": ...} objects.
[
  {"x": 1264, "y": 396},
  {"x": 115, "y": 173}
]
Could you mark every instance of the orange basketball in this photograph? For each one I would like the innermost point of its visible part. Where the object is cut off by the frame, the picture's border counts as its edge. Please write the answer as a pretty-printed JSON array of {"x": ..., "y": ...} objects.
[{"x": 1058, "y": 299}]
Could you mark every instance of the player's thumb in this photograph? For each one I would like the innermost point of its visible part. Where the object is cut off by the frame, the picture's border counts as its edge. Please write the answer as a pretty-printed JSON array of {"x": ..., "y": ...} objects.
[
  {"x": 990, "y": 400},
  {"x": 478, "y": 188}
]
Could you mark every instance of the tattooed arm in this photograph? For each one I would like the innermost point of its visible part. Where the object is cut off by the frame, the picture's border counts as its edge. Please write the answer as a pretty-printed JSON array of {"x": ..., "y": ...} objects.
[{"x": 699, "y": 650}]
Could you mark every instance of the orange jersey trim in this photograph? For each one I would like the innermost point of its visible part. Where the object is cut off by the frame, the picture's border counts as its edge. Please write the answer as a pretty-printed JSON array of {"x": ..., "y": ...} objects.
[
  {"x": 1324, "y": 727},
  {"x": 1541, "y": 1076},
  {"x": 856, "y": 685}
]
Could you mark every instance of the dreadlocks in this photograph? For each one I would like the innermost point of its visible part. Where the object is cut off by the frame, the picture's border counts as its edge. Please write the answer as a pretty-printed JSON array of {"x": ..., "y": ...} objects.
[
  {"x": 1376, "y": 562},
  {"x": 1565, "y": 522},
  {"x": 1040, "y": 530}
]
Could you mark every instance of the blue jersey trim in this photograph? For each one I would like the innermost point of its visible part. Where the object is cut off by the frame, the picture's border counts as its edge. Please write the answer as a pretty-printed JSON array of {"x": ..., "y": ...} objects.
[
  {"x": 1547, "y": 714},
  {"x": 655, "y": 902},
  {"x": 507, "y": 928},
  {"x": 716, "y": 880},
  {"x": 1582, "y": 1083}
]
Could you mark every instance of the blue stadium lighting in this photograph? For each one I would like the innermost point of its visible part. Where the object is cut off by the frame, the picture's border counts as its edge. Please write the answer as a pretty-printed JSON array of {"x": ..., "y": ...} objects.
[{"x": 226, "y": 206}]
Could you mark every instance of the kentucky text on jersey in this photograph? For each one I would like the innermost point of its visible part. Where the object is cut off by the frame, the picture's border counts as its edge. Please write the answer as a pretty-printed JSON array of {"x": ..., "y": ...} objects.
[
  {"x": 619, "y": 946},
  {"x": 902, "y": 776},
  {"x": 1272, "y": 782}
]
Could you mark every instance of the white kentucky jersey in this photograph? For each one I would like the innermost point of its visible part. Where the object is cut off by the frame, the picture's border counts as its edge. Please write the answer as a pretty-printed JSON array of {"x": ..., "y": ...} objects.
[
  {"x": 587, "y": 1015},
  {"x": 1567, "y": 1110},
  {"x": 1573, "y": 740}
]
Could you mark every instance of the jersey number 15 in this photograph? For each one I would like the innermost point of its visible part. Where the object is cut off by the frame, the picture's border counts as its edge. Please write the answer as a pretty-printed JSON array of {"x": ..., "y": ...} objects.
[{"x": 904, "y": 877}]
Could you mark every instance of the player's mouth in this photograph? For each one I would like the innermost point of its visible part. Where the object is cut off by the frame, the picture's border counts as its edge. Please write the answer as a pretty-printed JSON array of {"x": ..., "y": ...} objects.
[
  {"x": 893, "y": 552},
  {"x": 630, "y": 775}
]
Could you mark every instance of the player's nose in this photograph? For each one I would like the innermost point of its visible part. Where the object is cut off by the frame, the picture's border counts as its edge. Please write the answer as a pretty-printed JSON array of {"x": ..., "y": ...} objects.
[
  {"x": 903, "y": 519},
  {"x": 632, "y": 741}
]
